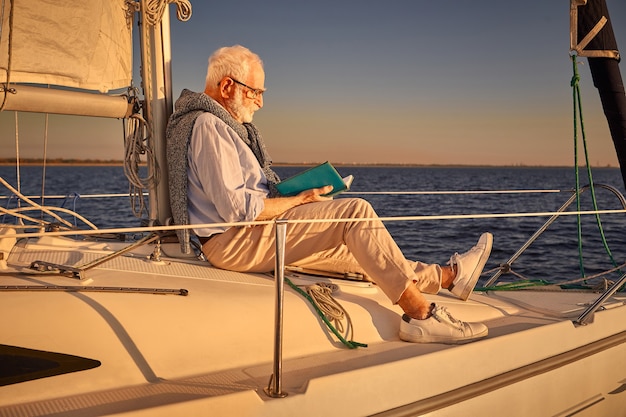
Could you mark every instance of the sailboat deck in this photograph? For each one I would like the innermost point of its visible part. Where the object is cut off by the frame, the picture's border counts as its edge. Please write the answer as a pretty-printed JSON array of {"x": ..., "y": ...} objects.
[{"x": 222, "y": 333}]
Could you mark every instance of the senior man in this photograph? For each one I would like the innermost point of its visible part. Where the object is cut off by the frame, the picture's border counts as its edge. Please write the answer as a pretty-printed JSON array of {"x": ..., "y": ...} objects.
[{"x": 230, "y": 179}]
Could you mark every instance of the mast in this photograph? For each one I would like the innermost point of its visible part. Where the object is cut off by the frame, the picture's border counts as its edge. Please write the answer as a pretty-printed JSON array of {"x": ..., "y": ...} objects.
[
  {"x": 156, "y": 71},
  {"x": 157, "y": 104},
  {"x": 592, "y": 36}
]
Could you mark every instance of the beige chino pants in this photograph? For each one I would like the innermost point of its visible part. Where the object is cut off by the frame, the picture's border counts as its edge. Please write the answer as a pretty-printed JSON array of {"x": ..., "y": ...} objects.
[{"x": 340, "y": 247}]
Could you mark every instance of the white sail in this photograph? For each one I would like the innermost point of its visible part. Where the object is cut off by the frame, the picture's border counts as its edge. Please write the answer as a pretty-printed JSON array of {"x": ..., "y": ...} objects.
[{"x": 84, "y": 45}]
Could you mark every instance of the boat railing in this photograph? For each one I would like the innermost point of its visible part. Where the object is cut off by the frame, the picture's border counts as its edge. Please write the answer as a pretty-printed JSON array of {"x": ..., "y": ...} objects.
[
  {"x": 70, "y": 230},
  {"x": 587, "y": 315},
  {"x": 505, "y": 267}
]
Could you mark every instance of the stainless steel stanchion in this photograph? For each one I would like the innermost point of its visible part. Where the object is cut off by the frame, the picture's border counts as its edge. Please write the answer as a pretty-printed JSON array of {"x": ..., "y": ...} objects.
[{"x": 274, "y": 389}]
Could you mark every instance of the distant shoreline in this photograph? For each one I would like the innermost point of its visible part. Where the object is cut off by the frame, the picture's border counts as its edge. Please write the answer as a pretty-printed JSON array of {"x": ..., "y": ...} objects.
[
  {"x": 57, "y": 162},
  {"x": 61, "y": 162}
]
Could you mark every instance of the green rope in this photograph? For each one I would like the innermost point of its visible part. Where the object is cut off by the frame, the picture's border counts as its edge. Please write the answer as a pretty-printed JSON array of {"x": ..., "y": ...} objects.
[
  {"x": 513, "y": 286},
  {"x": 532, "y": 283},
  {"x": 578, "y": 112},
  {"x": 576, "y": 109},
  {"x": 349, "y": 343}
]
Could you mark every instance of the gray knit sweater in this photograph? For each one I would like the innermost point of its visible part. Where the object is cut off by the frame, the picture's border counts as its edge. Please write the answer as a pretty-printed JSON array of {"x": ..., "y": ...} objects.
[{"x": 180, "y": 126}]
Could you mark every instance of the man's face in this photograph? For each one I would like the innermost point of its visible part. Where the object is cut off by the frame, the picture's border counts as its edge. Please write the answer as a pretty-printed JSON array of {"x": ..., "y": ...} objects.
[{"x": 248, "y": 98}]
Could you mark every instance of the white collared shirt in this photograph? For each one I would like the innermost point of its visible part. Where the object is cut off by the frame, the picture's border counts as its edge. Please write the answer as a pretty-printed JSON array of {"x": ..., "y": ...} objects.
[{"x": 226, "y": 182}]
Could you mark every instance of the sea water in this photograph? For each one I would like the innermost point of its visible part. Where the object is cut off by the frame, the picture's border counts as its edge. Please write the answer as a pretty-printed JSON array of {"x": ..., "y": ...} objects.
[{"x": 413, "y": 191}]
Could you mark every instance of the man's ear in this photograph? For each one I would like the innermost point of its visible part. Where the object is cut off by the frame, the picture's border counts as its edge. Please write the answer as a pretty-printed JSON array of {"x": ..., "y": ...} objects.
[{"x": 225, "y": 87}]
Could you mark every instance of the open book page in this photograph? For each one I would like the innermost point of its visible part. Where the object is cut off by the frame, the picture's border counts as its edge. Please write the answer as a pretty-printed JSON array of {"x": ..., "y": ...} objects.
[{"x": 348, "y": 181}]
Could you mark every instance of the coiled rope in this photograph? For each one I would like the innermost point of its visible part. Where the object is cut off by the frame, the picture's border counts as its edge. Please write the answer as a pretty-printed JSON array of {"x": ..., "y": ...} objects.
[
  {"x": 156, "y": 8},
  {"x": 319, "y": 295},
  {"x": 136, "y": 145}
]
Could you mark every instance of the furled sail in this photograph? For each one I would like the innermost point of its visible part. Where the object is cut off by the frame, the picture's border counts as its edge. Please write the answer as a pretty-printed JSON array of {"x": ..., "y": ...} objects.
[
  {"x": 64, "y": 43},
  {"x": 83, "y": 44}
]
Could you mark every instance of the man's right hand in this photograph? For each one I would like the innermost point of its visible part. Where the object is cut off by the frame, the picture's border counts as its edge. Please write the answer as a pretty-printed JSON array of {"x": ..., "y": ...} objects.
[
  {"x": 315, "y": 194},
  {"x": 274, "y": 207}
]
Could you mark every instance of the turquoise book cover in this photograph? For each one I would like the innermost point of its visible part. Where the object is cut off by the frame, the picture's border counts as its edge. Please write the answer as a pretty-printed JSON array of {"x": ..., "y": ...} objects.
[{"x": 316, "y": 177}]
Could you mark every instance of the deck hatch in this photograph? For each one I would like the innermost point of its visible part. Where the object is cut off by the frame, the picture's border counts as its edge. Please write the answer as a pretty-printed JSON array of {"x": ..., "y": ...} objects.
[{"x": 18, "y": 364}]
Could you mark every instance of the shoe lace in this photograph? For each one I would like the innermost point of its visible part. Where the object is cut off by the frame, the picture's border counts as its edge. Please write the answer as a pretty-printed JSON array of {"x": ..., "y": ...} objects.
[
  {"x": 454, "y": 260},
  {"x": 441, "y": 314}
]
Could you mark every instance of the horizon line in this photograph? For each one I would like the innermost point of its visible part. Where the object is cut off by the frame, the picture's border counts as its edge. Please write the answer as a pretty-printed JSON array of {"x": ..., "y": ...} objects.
[{"x": 116, "y": 162}]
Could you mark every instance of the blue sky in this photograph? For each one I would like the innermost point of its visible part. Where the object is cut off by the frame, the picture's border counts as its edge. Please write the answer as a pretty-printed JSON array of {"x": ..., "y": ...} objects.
[{"x": 399, "y": 81}]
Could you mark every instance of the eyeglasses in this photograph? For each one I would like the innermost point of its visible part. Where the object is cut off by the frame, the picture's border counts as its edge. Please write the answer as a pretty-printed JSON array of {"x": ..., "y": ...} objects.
[{"x": 251, "y": 93}]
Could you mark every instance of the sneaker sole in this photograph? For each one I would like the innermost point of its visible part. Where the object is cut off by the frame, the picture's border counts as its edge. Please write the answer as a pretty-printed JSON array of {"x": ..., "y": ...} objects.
[
  {"x": 442, "y": 339},
  {"x": 467, "y": 291}
]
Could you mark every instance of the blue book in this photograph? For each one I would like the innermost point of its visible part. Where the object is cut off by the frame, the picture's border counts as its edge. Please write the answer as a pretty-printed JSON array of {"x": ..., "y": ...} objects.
[{"x": 316, "y": 177}]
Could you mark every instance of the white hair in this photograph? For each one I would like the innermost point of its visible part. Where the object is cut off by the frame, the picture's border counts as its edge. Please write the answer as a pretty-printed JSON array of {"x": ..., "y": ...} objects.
[{"x": 230, "y": 61}]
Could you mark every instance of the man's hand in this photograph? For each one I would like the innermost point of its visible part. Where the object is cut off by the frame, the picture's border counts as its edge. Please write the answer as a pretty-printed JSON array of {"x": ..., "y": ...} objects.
[
  {"x": 315, "y": 194},
  {"x": 276, "y": 206}
]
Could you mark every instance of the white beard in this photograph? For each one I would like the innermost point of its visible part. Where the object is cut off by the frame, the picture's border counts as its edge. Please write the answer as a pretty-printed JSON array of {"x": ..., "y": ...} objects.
[{"x": 239, "y": 108}]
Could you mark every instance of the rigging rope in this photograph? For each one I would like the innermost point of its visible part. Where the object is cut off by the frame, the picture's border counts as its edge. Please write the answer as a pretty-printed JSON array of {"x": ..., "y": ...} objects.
[
  {"x": 578, "y": 114},
  {"x": 47, "y": 210},
  {"x": 17, "y": 159},
  {"x": 43, "y": 168},
  {"x": 528, "y": 282},
  {"x": 6, "y": 90},
  {"x": 16, "y": 212}
]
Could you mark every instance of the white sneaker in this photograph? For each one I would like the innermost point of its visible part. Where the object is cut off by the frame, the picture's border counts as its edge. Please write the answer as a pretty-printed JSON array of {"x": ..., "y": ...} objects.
[
  {"x": 469, "y": 266},
  {"x": 440, "y": 327}
]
